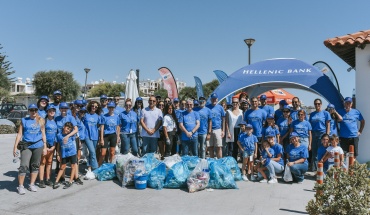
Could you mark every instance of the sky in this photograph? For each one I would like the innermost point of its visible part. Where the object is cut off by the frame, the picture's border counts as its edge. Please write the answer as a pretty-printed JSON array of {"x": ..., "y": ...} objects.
[{"x": 191, "y": 38}]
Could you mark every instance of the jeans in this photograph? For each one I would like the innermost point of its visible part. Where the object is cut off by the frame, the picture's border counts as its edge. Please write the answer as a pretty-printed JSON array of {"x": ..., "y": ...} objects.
[
  {"x": 235, "y": 147},
  {"x": 202, "y": 145},
  {"x": 91, "y": 146},
  {"x": 274, "y": 167},
  {"x": 192, "y": 145},
  {"x": 304, "y": 141},
  {"x": 149, "y": 145},
  {"x": 316, "y": 142},
  {"x": 298, "y": 171},
  {"x": 128, "y": 140}
]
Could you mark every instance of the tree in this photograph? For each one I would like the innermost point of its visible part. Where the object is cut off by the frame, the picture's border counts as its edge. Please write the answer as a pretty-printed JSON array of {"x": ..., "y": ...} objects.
[
  {"x": 161, "y": 92},
  {"x": 46, "y": 82},
  {"x": 5, "y": 72},
  {"x": 189, "y": 92},
  {"x": 108, "y": 89}
]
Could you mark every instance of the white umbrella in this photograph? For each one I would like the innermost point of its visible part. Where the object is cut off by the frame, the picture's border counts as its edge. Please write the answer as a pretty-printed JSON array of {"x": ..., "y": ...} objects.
[{"x": 131, "y": 87}]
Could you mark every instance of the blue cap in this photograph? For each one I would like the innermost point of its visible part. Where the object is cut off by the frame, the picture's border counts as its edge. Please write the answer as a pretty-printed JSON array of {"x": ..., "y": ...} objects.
[
  {"x": 348, "y": 99},
  {"x": 63, "y": 105},
  {"x": 270, "y": 134},
  {"x": 270, "y": 116},
  {"x": 103, "y": 96},
  {"x": 331, "y": 106},
  {"x": 111, "y": 104},
  {"x": 57, "y": 92},
  {"x": 286, "y": 107},
  {"x": 293, "y": 134},
  {"x": 44, "y": 97},
  {"x": 214, "y": 96},
  {"x": 196, "y": 102},
  {"x": 176, "y": 100},
  {"x": 243, "y": 123},
  {"x": 84, "y": 102},
  {"x": 32, "y": 106},
  {"x": 263, "y": 97},
  {"x": 202, "y": 98},
  {"x": 51, "y": 106},
  {"x": 83, "y": 109},
  {"x": 248, "y": 126},
  {"x": 139, "y": 99},
  {"x": 78, "y": 102},
  {"x": 283, "y": 102}
]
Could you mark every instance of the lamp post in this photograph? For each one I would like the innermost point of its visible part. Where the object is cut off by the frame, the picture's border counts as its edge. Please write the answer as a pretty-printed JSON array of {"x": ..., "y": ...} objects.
[
  {"x": 87, "y": 70},
  {"x": 249, "y": 43}
]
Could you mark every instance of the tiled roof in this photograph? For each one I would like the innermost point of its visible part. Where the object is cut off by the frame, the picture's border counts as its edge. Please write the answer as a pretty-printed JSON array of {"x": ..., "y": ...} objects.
[{"x": 344, "y": 46}]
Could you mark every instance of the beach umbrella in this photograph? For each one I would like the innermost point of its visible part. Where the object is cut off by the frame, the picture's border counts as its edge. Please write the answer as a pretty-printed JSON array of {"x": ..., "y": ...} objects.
[{"x": 131, "y": 87}]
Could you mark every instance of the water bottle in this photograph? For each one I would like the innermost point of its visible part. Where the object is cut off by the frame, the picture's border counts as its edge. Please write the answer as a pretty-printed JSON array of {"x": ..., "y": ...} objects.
[{"x": 16, "y": 158}]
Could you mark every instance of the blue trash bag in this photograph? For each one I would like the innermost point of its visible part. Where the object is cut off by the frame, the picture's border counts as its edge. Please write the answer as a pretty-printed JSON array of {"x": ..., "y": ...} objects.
[
  {"x": 191, "y": 161},
  {"x": 210, "y": 160},
  {"x": 150, "y": 161},
  {"x": 231, "y": 163},
  {"x": 157, "y": 176},
  {"x": 177, "y": 175},
  {"x": 221, "y": 177},
  {"x": 105, "y": 172}
]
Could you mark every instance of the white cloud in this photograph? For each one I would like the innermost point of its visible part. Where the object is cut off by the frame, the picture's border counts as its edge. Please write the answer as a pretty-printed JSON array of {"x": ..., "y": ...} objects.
[{"x": 49, "y": 58}]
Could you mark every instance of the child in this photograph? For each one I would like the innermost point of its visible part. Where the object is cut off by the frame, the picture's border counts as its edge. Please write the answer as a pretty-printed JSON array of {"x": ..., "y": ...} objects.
[
  {"x": 322, "y": 150},
  {"x": 266, "y": 155},
  {"x": 329, "y": 155},
  {"x": 247, "y": 143},
  {"x": 269, "y": 127},
  {"x": 67, "y": 153}
]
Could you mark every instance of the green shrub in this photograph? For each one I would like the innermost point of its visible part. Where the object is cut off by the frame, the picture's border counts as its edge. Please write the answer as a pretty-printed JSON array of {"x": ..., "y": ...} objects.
[{"x": 7, "y": 129}]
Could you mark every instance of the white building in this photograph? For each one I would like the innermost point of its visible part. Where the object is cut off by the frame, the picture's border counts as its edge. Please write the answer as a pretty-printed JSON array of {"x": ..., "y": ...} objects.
[
  {"x": 19, "y": 86},
  {"x": 148, "y": 86}
]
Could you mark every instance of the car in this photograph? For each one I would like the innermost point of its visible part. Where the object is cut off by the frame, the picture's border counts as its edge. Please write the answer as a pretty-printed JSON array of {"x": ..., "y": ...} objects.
[
  {"x": 17, "y": 115},
  {"x": 6, "y": 108},
  {"x": 4, "y": 121}
]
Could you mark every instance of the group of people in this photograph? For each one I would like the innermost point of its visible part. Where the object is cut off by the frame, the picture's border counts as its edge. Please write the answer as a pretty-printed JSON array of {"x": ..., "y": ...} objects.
[{"x": 246, "y": 128}]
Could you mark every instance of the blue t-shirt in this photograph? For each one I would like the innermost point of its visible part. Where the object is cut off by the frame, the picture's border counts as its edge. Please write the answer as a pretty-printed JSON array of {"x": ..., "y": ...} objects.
[
  {"x": 110, "y": 123},
  {"x": 333, "y": 127},
  {"x": 301, "y": 127},
  {"x": 118, "y": 110},
  {"x": 104, "y": 110},
  {"x": 296, "y": 153},
  {"x": 320, "y": 154},
  {"x": 256, "y": 119},
  {"x": 268, "y": 129},
  {"x": 51, "y": 130},
  {"x": 283, "y": 125},
  {"x": 294, "y": 114},
  {"x": 42, "y": 113},
  {"x": 81, "y": 128},
  {"x": 217, "y": 114},
  {"x": 348, "y": 127},
  {"x": 278, "y": 149},
  {"x": 318, "y": 120},
  {"x": 32, "y": 133},
  {"x": 91, "y": 122},
  {"x": 60, "y": 121},
  {"x": 189, "y": 121},
  {"x": 128, "y": 121},
  {"x": 248, "y": 142},
  {"x": 178, "y": 113},
  {"x": 264, "y": 153},
  {"x": 278, "y": 114},
  {"x": 66, "y": 149},
  {"x": 268, "y": 109},
  {"x": 57, "y": 111},
  {"x": 205, "y": 115}
]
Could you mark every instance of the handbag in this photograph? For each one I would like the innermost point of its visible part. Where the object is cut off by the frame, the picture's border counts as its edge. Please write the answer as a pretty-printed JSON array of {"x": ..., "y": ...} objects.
[
  {"x": 22, "y": 145},
  {"x": 287, "y": 174}
]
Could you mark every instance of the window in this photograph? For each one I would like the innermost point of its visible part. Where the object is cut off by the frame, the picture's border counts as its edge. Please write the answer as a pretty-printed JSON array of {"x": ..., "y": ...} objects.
[
  {"x": 17, "y": 115},
  {"x": 11, "y": 115}
]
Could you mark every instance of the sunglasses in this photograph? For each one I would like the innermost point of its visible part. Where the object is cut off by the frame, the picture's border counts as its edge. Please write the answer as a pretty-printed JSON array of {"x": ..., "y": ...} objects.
[
  {"x": 235, "y": 102},
  {"x": 116, "y": 99},
  {"x": 286, "y": 111},
  {"x": 80, "y": 106},
  {"x": 300, "y": 114},
  {"x": 94, "y": 106},
  {"x": 152, "y": 100},
  {"x": 127, "y": 104},
  {"x": 317, "y": 103},
  {"x": 33, "y": 110}
]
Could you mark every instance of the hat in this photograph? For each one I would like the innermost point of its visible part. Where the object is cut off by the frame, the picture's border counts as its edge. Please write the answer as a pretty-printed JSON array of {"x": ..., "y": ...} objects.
[
  {"x": 139, "y": 99},
  {"x": 63, "y": 105},
  {"x": 111, "y": 104},
  {"x": 196, "y": 102},
  {"x": 248, "y": 126},
  {"x": 270, "y": 116},
  {"x": 243, "y": 101},
  {"x": 214, "y": 96},
  {"x": 229, "y": 104},
  {"x": 44, "y": 97},
  {"x": 103, "y": 96},
  {"x": 84, "y": 102},
  {"x": 348, "y": 99},
  {"x": 51, "y": 106},
  {"x": 83, "y": 109},
  {"x": 293, "y": 134},
  {"x": 202, "y": 98},
  {"x": 286, "y": 107},
  {"x": 176, "y": 100},
  {"x": 243, "y": 123},
  {"x": 158, "y": 96},
  {"x": 270, "y": 134},
  {"x": 263, "y": 97},
  {"x": 78, "y": 102},
  {"x": 57, "y": 92},
  {"x": 283, "y": 102},
  {"x": 32, "y": 106},
  {"x": 331, "y": 106}
]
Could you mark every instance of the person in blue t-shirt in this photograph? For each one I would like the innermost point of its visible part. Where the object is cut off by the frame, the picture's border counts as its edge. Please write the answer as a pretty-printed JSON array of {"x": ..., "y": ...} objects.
[
  {"x": 82, "y": 157},
  {"x": 297, "y": 155},
  {"x": 266, "y": 155},
  {"x": 104, "y": 103},
  {"x": 279, "y": 112},
  {"x": 138, "y": 108},
  {"x": 204, "y": 131},
  {"x": 335, "y": 119},
  {"x": 276, "y": 163},
  {"x": 67, "y": 153},
  {"x": 349, "y": 131},
  {"x": 247, "y": 143},
  {"x": 269, "y": 109},
  {"x": 303, "y": 129},
  {"x": 284, "y": 125},
  {"x": 118, "y": 109},
  {"x": 269, "y": 127},
  {"x": 57, "y": 99},
  {"x": 128, "y": 123},
  {"x": 42, "y": 104},
  {"x": 296, "y": 106},
  {"x": 322, "y": 150},
  {"x": 189, "y": 124}
]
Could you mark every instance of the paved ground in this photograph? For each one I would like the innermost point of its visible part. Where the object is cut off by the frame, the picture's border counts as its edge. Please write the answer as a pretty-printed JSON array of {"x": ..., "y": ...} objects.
[{"x": 108, "y": 197}]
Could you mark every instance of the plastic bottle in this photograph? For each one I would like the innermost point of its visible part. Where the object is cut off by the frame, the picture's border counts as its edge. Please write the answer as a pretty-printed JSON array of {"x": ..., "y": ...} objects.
[{"x": 16, "y": 158}]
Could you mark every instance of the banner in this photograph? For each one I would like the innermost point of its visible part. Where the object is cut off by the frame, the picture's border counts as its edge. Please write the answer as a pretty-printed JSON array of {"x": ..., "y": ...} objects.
[
  {"x": 326, "y": 69},
  {"x": 169, "y": 82},
  {"x": 222, "y": 76},
  {"x": 198, "y": 87}
]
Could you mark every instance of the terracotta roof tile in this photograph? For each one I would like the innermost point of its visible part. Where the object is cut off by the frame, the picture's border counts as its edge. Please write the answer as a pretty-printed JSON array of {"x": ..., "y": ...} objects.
[{"x": 344, "y": 46}]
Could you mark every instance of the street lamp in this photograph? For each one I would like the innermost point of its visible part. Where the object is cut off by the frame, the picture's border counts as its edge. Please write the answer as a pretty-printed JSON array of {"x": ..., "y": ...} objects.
[
  {"x": 249, "y": 43},
  {"x": 87, "y": 70}
]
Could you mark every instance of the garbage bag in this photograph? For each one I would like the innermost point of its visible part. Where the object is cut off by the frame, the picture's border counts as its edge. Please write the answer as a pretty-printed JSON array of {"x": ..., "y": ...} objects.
[
  {"x": 210, "y": 160},
  {"x": 105, "y": 172},
  {"x": 191, "y": 161},
  {"x": 121, "y": 161},
  {"x": 221, "y": 177},
  {"x": 171, "y": 160},
  {"x": 231, "y": 163},
  {"x": 133, "y": 165},
  {"x": 199, "y": 177},
  {"x": 157, "y": 176},
  {"x": 89, "y": 175},
  {"x": 150, "y": 161},
  {"x": 177, "y": 175}
]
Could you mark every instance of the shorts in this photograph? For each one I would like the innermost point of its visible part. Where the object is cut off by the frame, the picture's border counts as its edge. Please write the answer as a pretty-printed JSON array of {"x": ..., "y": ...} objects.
[
  {"x": 162, "y": 137},
  {"x": 215, "y": 140},
  {"x": 71, "y": 159},
  {"x": 247, "y": 154},
  {"x": 346, "y": 142},
  {"x": 110, "y": 140}
]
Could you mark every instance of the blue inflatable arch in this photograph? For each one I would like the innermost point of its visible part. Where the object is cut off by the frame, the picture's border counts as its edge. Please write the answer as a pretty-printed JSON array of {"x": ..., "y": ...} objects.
[{"x": 271, "y": 74}]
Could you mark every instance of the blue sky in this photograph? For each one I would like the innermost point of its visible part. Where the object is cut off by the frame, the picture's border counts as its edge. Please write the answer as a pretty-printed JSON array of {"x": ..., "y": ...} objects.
[{"x": 189, "y": 37}]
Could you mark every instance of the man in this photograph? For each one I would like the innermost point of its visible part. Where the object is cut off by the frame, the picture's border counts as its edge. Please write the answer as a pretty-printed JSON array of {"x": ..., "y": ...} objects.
[
  {"x": 158, "y": 98},
  {"x": 349, "y": 131},
  {"x": 264, "y": 106},
  {"x": 244, "y": 105},
  {"x": 57, "y": 98},
  {"x": 204, "y": 131},
  {"x": 176, "y": 103},
  {"x": 296, "y": 106},
  {"x": 182, "y": 105},
  {"x": 151, "y": 121},
  {"x": 118, "y": 110},
  {"x": 279, "y": 112},
  {"x": 218, "y": 127},
  {"x": 104, "y": 103},
  {"x": 189, "y": 124}
]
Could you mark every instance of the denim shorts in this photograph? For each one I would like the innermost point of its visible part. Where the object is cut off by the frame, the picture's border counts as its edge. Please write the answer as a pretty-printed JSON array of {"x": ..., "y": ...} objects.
[{"x": 247, "y": 154}]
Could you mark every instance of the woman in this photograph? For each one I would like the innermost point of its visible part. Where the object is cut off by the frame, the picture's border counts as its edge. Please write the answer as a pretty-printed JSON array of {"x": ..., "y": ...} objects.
[
  {"x": 320, "y": 123},
  {"x": 33, "y": 145},
  {"x": 92, "y": 121},
  {"x": 128, "y": 122},
  {"x": 138, "y": 107},
  {"x": 297, "y": 158},
  {"x": 269, "y": 127},
  {"x": 303, "y": 129},
  {"x": 169, "y": 127},
  {"x": 109, "y": 133},
  {"x": 50, "y": 133},
  {"x": 234, "y": 117},
  {"x": 161, "y": 139},
  {"x": 80, "y": 135},
  {"x": 42, "y": 103},
  {"x": 335, "y": 118},
  {"x": 284, "y": 123}
]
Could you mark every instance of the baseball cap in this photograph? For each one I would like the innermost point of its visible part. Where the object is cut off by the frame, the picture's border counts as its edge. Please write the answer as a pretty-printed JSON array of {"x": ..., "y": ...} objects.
[
  {"x": 263, "y": 97},
  {"x": 63, "y": 105},
  {"x": 57, "y": 92},
  {"x": 270, "y": 134},
  {"x": 78, "y": 102},
  {"x": 32, "y": 106},
  {"x": 176, "y": 100},
  {"x": 270, "y": 116},
  {"x": 44, "y": 97},
  {"x": 103, "y": 96},
  {"x": 158, "y": 96},
  {"x": 83, "y": 109},
  {"x": 283, "y": 102},
  {"x": 243, "y": 123},
  {"x": 293, "y": 134},
  {"x": 139, "y": 99},
  {"x": 196, "y": 102},
  {"x": 248, "y": 126},
  {"x": 202, "y": 98},
  {"x": 84, "y": 102},
  {"x": 51, "y": 106},
  {"x": 111, "y": 104},
  {"x": 331, "y": 106},
  {"x": 214, "y": 96},
  {"x": 348, "y": 99},
  {"x": 286, "y": 107}
]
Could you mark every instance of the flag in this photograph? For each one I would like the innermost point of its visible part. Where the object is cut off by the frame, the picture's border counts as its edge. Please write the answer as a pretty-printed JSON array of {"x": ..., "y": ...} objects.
[
  {"x": 169, "y": 82},
  {"x": 198, "y": 87},
  {"x": 222, "y": 76}
]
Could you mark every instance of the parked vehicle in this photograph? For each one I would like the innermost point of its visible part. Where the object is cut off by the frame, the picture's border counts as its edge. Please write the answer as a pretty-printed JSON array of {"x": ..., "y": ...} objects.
[
  {"x": 6, "y": 108},
  {"x": 17, "y": 115}
]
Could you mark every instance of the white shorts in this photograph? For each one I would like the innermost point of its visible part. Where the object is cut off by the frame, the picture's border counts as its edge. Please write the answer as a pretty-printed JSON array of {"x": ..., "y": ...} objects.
[{"x": 215, "y": 140}]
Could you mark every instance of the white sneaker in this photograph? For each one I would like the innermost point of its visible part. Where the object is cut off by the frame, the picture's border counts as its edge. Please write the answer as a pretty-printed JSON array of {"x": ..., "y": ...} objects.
[
  {"x": 21, "y": 190},
  {"x": 263, "y": 181},
  {"x": 253, "y": 178},
  {"x": 245, "y": 178},
  {"x": 32, "y": 188},
  {"x": 272, "y": 181}
]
